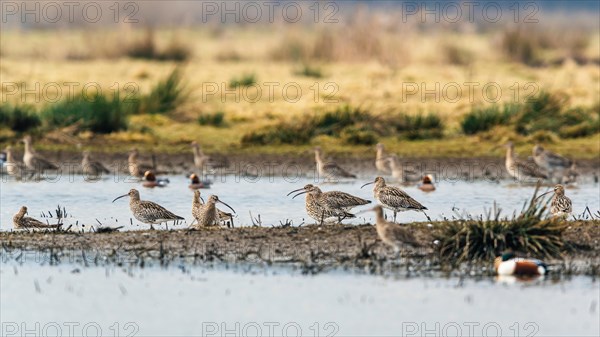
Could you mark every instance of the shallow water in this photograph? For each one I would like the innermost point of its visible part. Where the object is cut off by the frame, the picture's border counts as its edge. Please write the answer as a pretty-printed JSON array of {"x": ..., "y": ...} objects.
[
  {"x": 87, "y": 201},
  {"x": 199, "y": 301}
]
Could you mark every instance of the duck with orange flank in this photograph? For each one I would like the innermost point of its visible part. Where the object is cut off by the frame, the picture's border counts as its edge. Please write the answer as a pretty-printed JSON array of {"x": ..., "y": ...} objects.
[
  {"x": 426, "y": 184},
  {"x": 196, "y": 183},
  {"x": 507, "y": 264},
  {"x": 151, "y": 181}
]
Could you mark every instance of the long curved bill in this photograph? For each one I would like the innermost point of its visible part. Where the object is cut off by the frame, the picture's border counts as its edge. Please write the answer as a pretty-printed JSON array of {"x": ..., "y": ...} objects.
[
  {"x": 541, "y": 195},
  {"x": 227, "y": 206},
  {"x": 294, "y": 191},
  {"x": 303, "y": 192},
  {"x": 117, "y": 198},
  {"x": 367, "y": 184}
]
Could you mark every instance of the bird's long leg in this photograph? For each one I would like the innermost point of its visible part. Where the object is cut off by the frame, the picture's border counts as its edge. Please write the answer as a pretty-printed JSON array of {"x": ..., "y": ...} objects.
[
  {"x": 395, "y": 216},
  {"x": 322, "y": 218},
  {"x": 151, "y": 227},
  {"x": 428, "y": 218},
  {"x": 167, "y": 225}
]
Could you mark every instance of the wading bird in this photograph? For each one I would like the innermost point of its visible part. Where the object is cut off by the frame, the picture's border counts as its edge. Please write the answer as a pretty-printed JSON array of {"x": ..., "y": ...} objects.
[
  {"x": 197, "y": 211},
  {"x": 550, "y": 161},
  {"x": 519, "y": 170},
  {"x": 207, "y": 214},
  {"x": 20, "y": 221},
  {"x": 380, "y": 162},
  {"x": 33, "y": 161},
  {"x": 393, "y": 234},
  {"x": 329, "y": 170},
  {"x": 324, "y": 205},
  {"x": 148, "y": 212},
  {"x": 13, "y": 168},
  {"x": 92, "y": 168},
  {"x": 561, "y": 205},
  {"x": 399, "y": 172},
  {"x": 394, "y": 198},
  {"x": 136, "y": 169}
]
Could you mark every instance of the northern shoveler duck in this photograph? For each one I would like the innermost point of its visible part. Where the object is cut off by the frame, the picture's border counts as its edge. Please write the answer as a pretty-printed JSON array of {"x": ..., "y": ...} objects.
[
  {"x": 196, "y": 184},
  {"x": 508, "y": 264},
  {"x": 150, "y": 180},
  {"x": 427, "y": 184}
]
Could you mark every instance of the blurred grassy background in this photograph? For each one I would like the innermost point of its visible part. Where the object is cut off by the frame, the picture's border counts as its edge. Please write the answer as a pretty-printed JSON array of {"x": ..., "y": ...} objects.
[{"x": 360, "y": 65}]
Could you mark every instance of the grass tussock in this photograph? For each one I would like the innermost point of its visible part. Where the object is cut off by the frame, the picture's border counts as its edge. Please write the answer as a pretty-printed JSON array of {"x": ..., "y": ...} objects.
[
  {"x": 146, "y": 48},
  {"x": 19, "y": 118},
  {"x": 353, "y": 125},
  {"x": 544, "y": 115},
  {"x": 531, "y": 232},
  {"x": 245, "y": 80},
  {"x": 483, "y": 119},
  {"x": 308, "y": 70},
  {"x": 97, "y": 113},
  {"x": 166, "y": 96},
  {"x": 216, "y": 119}
]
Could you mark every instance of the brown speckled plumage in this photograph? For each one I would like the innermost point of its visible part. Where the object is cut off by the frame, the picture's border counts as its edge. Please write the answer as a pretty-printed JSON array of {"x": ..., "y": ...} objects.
[
  {"x": 91, "y": 167},
  {"x": 519, "y": 170},
  {"x": 198, "y": 211},
  {"x": 20, "y": 221},
  {"x": 333, "y": 204},
  {"x": 207, "y": 214},
  {"x": 394, "y": 198},
  {"x": 148, "y": 212},
  {"x": 34, "y": 161},
  {"x": 329, "y": 170},
  {"x": 393, "y": 234}
]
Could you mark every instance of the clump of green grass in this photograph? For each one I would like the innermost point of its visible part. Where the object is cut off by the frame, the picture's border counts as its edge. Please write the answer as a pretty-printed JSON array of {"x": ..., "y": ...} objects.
[
  {"x": 483, "y": 239},
  {"x": 216, "y": 119},
  {"x": 145, "y": 48},
  {"x": 420, "y": 126},
  {"x": 97, "y": 113},
  {"x": 546, "y": 112},
  {"x": 19, "y": 118},
  {"x": 353, "y": 125},
  {"x": 483, "y": 119},
  {"x": 245, "y": 80},
  {"x": 308, "y": 70},
  {"x": 166, "y": 95}
]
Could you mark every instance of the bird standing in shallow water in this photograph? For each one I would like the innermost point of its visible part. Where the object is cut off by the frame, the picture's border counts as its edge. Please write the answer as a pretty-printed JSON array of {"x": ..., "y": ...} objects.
[
  {"x": 148, "y": 212},
  {"x": 551, "y": 161},
  {"x": 380, "y": 162},
  {"x": 197, "y": 209},
  {"x": 324, "y": 205},
  {"x": 12, "y": 167},
  {"x": 329, "y": 170},
  {"x": 136, "y": 169},
  {"x": 399, "y": 172},
  {"x": 561, "y": 205},
  {"x": 519, "y": 170},
  {"x": 507, "y": 264},
  {"x": 33, "y": 161},
  {"x": 207, "y": 214},
  {"x": 200, "y": 159},
  {"x": 92, "y": 168},
  {"x": 394, "y": 198},
  {"x": 427, "y": 184},
  {"x": 393, "y": 234},
  {"x": 20, "y": 221}
]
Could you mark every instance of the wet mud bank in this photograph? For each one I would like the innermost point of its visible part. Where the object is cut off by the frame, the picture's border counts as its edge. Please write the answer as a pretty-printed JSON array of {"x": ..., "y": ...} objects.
[{"x": 311, "y": 249}]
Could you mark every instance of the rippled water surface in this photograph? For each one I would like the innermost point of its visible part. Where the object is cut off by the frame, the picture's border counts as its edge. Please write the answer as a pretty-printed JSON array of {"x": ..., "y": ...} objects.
[
  {"x": 179, "y": 301},
  {"x": 86, "y": 201}
]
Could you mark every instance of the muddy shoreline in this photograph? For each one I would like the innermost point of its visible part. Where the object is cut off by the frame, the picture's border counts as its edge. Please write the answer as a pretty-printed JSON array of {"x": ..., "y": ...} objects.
[
  {"x": 312, "y": 249},
  {"x": 450, "y": 169}
]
